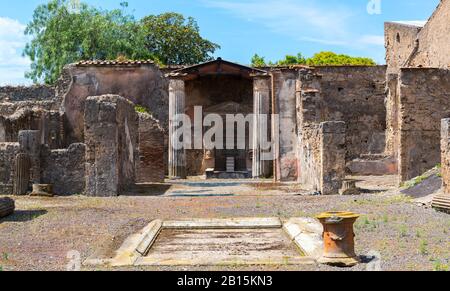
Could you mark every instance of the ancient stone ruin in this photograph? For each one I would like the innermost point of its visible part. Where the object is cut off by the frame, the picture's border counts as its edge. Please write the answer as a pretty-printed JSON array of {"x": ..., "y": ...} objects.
[{"x": 86, "y": 136}]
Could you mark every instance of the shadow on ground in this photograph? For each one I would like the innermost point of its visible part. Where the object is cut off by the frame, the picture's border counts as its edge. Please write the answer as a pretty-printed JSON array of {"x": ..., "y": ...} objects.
[
  {"x": 429, "y": 186},
  {"x": 23, "y": 215},
  {"x": 148, "y": 190}
]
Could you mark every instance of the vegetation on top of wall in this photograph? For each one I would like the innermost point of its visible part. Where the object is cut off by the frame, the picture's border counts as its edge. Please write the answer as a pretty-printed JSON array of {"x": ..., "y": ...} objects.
[
  {"x": 62, "y": 34},
  {"x": 141, "y": 109},
  {"x": 319, "y": 59}
]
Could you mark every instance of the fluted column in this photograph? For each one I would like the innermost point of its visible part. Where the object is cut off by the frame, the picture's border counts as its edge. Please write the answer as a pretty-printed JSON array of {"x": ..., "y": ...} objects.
[
  {"x": 261, "y": 111},
  {"x": 30, "y": 144},
  {"x": 177, "y": 154},
  {"x": 22, "y": 174}
]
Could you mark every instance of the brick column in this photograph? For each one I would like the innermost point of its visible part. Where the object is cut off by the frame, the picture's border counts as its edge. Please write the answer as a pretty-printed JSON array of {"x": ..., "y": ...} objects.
[{"x": 177, "y": 154}]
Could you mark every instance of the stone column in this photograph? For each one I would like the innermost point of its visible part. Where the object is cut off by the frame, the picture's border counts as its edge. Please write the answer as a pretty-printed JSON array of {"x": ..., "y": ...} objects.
[
  {"x": 30, "y": 144},
  {"x": 22, "y": 174},
  {"x": 177, "y": 154},
  {"x": 332, "y": 156},
  {"x": 261, "y": 111}
]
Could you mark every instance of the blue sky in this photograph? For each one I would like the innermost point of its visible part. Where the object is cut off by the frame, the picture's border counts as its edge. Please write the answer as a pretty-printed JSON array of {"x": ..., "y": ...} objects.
[{"x": 271, "y": 28}]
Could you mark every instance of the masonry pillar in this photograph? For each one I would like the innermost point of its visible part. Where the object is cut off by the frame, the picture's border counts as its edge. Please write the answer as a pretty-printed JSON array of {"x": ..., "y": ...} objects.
[
  {"x": 111, "y": 138},
  {"x": 332, "y": 156},
  {"x": 30, "y": 144},
  {"x": 177, "y": 154},
  {"x": 22, "y": 174},
  {"x": 261, "y": 111}
]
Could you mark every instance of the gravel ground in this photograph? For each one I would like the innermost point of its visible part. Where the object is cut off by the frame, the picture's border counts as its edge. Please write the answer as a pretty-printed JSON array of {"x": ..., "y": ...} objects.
[{"x": 43, "y": 230}]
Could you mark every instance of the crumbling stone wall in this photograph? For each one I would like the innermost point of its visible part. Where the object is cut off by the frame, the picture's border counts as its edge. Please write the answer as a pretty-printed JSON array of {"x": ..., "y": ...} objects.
[
  {"x": 424, "y": 100},
  {"x": 400, "y": 40},
  {"x": 321, "y": 145},
  {"x": 49, "y": 123},
  {"x": 143, "y": 85},
  {"x": 151, "y": 165},
  {"x": 433, "y": 40},
  {"x": 111, "y": 133},
  {"x": 30, "y": 93},
  {"x": 356, "y": 95},
  {"x": 8, "y": 152},
  {"x": 65, "y": 169},
  {"x": 284, "y": 90}
]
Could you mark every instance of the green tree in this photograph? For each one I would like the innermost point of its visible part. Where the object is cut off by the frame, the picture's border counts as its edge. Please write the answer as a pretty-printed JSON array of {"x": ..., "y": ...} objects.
[
  {"x": 61, "y": 36},
  {"x": 175, "y": 40},
  {"x": 258, "y": 61},
  {"x": 292, "y": 60},
  {"x": 319, "y": 59},
  {"x": 330, "y": 58}
]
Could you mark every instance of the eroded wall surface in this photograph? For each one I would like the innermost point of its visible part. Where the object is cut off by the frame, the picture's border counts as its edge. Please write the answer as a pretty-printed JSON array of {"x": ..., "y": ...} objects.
[
  {"x": 21, "y": 93},
  {"x": 143, "y": 85},
  {"x": 424, "y": 101},
  {"x": 151, "y": 164},
  {"x": 356, "y": 95},
  {"x": 434, "y": 40},
  {"x": 321, "y": 144},
  {"x": 400, "y": 41},
  {"x": 111, "y": 132},
  {"x": 8, "y": 152},
  {"x": 65, "y": 169}
]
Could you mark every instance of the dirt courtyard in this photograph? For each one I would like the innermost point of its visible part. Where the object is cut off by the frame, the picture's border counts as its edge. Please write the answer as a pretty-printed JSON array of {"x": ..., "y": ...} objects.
[{"x": 42, "y": 232}]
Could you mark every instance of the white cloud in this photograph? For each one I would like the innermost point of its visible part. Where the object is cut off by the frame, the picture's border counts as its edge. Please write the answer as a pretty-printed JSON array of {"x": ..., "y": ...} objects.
[
  {"x": 287, "y": 16},
  {"x": 12, "y": 42},
  {"x": 302, "y": 20}
]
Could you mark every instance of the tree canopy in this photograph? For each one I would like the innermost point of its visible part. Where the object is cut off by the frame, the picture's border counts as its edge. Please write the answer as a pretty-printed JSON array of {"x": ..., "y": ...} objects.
[
  {"x": 172, "y": 39},
  {"x": 319, "y": 59},
  {"x": 61, "y": 35}
]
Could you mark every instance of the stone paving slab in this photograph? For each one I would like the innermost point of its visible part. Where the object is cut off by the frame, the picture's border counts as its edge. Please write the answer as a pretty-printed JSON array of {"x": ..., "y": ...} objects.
[
  {"x": 249, "y": 223},
  {"x": 213, "y": 247},
  {"x": 215, "y": 242}
]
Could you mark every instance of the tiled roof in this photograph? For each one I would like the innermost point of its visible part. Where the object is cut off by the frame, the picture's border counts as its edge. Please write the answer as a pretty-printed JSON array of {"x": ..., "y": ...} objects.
[{"x": 114, "y": 63}]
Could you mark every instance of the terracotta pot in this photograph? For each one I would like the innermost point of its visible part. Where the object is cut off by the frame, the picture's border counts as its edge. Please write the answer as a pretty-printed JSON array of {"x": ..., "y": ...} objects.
[{"x": 338, "y": 238}]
